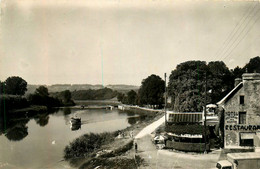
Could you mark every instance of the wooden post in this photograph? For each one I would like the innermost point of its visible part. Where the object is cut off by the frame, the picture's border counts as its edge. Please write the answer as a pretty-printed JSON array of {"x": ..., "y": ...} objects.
[
  {"x": 205, "y": 116},
  {"x": 165, "y": 100}
]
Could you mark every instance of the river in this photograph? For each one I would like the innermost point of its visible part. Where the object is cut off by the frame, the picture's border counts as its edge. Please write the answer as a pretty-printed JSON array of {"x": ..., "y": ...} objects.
[{"x": 39, "y": 142}]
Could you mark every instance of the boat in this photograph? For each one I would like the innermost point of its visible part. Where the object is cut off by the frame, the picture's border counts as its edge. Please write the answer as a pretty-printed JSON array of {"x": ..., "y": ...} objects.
[{"x": 75, "y": 120}]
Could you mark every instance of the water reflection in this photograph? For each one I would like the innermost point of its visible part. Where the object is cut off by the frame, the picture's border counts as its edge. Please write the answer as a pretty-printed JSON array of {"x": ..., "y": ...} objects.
[
  {"x": 43, "y": 129},
  {"x": 42, "y": 119},
  {"x": 16, "y": 130},
  {"x": 74, "y": 127},
  {"x": 66, "y": 111}
]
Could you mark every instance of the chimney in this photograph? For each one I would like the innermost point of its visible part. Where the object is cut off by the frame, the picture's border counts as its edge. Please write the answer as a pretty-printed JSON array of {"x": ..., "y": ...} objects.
[
  {"x": 237, "y": 81},
  {"x": 251, "y": 76}
]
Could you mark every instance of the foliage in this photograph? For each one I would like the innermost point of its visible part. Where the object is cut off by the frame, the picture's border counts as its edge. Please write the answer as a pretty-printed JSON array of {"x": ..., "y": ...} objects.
[
  {"x": 187, "y": 84},
  {"x": 131, "y": 97},
  {"x": 2, "y": 84},
  {"x": 100, "y": 94},
  {"x": 151, "y": 91},
  {"x": 41, "y": 97},
  {"x": 253, "y": 65},
  {"x": 9, "y": 102},
  {"x": 237, "y": 72},
  {"x": 65, "y": 97},
  {"x": 120, "y": 97},
  {"x": 86, "y": 144},
  {"x": 15, "y": 85},
  {"x": 220, "y": 80},
  {"x": 42, "y": 91}
]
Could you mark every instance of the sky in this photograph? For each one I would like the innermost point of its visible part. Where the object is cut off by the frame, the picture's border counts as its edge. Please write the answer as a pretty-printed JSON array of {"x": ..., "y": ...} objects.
[{"x": 121, "y": 41}]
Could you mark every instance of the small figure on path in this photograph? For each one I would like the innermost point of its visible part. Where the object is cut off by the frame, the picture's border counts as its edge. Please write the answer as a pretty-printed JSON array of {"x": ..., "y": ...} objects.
[{"x": 136, "y": 147}]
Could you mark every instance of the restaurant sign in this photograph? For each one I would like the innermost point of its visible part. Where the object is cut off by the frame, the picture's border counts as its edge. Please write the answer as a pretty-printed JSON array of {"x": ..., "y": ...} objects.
[{"x": 243, "y": 127}]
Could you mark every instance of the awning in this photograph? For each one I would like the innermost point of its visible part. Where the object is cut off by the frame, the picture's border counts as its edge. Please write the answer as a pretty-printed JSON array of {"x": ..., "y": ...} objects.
[
  {"x": 184, "y": 117},
  {"x": 247, "y": 135},
  {"x": 186, "y": 135}
]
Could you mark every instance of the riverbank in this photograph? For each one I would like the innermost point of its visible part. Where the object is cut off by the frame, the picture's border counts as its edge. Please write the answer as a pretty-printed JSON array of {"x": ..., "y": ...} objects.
[{"x": 119, "y": 152}]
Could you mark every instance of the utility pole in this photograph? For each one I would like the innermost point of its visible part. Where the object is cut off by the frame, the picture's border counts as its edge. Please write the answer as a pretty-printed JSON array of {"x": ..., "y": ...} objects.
[
  {"x": 205, "y": 116},
  {"x": 165, "y": 100}
]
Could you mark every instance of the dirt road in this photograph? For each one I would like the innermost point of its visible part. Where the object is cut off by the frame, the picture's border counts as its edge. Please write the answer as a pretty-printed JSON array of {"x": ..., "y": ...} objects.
[
  {"x": 150, "y": 128},
  {"x": 168, "y": 159}
]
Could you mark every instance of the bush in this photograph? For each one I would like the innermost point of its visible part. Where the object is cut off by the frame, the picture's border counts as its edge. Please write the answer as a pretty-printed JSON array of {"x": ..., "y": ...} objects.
[
  {"x": 86, "y": 144},
  {"x": 9, "y": 102}
]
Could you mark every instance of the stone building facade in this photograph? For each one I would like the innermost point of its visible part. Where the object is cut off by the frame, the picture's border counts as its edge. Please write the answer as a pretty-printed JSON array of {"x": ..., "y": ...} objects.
[{"x": 242, "y": 113}]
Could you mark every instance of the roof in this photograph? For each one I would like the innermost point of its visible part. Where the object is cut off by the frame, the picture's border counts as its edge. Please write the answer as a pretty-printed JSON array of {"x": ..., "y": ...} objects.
[
  {"x": 231, "y": 93},
  {"x": 185, "y": 117},
  {"x": 225, "y": 163},
  {"x": 159, "y": 137},
  {"x": 240, "y": 156}
]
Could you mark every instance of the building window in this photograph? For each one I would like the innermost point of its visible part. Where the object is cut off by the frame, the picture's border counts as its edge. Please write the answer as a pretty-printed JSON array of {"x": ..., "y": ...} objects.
[
  {"x": 247, "y": 139},
  {"x": 242, "y": 117},
  {"x": 242, "y": 100}
]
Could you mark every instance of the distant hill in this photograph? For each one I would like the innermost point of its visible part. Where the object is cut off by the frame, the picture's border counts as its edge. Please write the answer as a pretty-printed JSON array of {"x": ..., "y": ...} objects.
[
  {"x": 123, "y": 88},
  {"x": 76, "y": 87}
]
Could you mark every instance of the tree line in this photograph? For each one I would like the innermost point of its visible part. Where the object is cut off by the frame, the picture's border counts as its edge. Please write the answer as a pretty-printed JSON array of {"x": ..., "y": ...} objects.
[
  {"x": 187, "y": 82},
  {"x": 186, "y": 86},
  {"x": 12, "y": 92}
]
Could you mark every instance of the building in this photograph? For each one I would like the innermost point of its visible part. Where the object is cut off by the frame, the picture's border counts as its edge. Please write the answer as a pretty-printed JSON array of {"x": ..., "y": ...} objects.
[
  {"x": 185, "y": 131},
  {"x": 242, "y": 113}
]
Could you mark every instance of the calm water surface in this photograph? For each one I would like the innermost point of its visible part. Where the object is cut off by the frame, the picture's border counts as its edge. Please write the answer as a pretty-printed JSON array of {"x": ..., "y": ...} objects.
[{"x": 39, "y": 142}]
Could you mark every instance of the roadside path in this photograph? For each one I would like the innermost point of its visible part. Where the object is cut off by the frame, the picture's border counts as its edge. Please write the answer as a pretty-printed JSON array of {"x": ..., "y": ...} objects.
[
  {"x": 168, "y": 159},
  {"x": 150, "y": 128}
]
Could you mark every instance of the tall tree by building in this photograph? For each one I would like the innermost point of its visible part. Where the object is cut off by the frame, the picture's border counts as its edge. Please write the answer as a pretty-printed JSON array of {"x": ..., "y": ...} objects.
[{"x": 186, "y": 86}]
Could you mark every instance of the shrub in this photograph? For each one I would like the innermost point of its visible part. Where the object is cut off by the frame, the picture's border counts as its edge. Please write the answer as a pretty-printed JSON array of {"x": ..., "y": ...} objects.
[
  {"x": 86, "y": 144},
  {"x": 9, "y": 102}
]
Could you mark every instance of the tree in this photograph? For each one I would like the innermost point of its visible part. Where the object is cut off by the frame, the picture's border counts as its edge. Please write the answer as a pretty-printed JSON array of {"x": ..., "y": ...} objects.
[
  {"x": 186, "y": 86},
  {"x": 15, "y": 85},
  {"x": 42, "y": 91},
  {"x": 220, "y": 80},
  {"x": 120, "y": 97},
  {"x": 41, "y": 97},
  {"x": 237, "y": 72},
  {"x": 2, "y": 87},
  {"x": 66, "y": 96},
  {"x": 151, "y": 91},
  {"x": 253, "y": 65},
  {"x": 131, "y": 97}
]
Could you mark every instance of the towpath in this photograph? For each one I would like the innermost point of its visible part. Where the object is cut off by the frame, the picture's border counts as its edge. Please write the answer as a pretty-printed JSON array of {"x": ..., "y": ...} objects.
[{"x": 150, "y": 128}]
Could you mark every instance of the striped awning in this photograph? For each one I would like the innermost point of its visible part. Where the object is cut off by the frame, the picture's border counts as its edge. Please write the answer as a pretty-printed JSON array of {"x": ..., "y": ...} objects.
[{"x": 184, "y": 117}]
